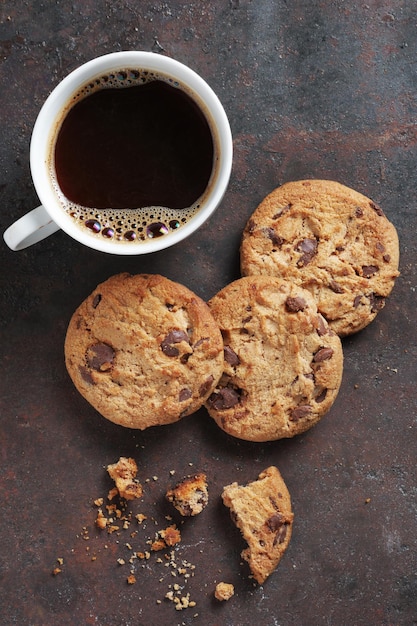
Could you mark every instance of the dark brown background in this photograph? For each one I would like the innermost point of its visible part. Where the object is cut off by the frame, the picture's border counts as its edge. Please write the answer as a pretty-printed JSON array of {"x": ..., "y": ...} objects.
[{"x": 312, "y": 89}]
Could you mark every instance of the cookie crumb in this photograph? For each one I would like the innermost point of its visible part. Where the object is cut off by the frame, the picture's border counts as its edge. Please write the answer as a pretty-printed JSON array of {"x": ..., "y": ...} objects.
[
  {"x": 112, "y": 494},
  {"x": 57, "y": 570},
  {"x": 124, "y": 475},
  {"x": 224, "y": 591},
  {"x": 101, "y": 520},
  {"x": 165, "y": 538},
  {"x": 190, "y": 495}
]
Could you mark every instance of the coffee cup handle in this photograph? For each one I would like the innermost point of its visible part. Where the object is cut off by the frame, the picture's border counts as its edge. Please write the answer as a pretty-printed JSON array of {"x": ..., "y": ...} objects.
[{"x": 29, "y": 229}]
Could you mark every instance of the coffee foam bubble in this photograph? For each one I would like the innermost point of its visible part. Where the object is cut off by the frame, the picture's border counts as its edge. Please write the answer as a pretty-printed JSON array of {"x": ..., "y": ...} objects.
[
  {"x": 123, "y": 225},
  {"x": 131, "y": 224}
]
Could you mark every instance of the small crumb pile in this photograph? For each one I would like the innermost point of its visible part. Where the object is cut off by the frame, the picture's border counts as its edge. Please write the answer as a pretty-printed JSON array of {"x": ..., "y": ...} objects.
[{"x": 116, "y": 515}]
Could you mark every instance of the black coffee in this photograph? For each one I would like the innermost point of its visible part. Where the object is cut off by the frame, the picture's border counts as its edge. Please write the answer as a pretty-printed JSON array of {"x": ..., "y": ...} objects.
[{"x": 133, "y": 156}]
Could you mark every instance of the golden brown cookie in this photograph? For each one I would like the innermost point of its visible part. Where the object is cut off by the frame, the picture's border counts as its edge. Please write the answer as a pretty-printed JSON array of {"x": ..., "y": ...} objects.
[
  {"x": 262, "y": 511},
  {"x": 144, "y": 350},
  {"x": 329, "y": 239},
  {"x": 282, "y": 363}
]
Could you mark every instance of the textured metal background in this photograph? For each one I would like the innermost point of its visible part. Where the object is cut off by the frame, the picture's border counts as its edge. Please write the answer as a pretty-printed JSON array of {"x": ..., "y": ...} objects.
[{"x": 312, "y": 89}]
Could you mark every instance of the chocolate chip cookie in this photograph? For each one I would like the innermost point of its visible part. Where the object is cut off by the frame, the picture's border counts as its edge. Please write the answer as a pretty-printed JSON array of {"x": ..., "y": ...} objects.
[
  {"x": 262, "y": 511},
  {"x": 282, "y": 363},
  {"x": 329, "y": 239},
  {"x": 144, "y": 350}
]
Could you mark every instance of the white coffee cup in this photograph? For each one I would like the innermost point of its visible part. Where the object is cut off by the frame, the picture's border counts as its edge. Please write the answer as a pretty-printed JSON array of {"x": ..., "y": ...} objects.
[{"x": 52, "y": 215}]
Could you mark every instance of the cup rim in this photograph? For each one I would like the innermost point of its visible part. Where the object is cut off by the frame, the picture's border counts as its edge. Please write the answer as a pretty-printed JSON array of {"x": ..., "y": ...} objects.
[{"x": 61, "y": 95}]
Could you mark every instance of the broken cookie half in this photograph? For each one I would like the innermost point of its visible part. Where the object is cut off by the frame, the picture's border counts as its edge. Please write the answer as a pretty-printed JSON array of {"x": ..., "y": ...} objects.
[{"x": 262, "y": 511}]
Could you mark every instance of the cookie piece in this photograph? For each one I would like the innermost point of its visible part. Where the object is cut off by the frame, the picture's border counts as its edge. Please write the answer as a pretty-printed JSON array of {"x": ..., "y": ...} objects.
[
  {"x": 262, "y": 511},
  {"x": 124, "y": 475},
  {"x": 190, "y": 495},
  {"x": 282, "y": 364},
  {"x": 224, "y": 591},
  {"x": 144, "y": 350},
  {"x": 329, "y": 239},
  {"x": 167, "y": 537}
]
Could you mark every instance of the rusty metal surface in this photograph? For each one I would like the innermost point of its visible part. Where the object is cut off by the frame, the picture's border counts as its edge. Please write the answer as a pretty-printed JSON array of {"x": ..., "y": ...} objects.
[{"x": 312, "y": 89}]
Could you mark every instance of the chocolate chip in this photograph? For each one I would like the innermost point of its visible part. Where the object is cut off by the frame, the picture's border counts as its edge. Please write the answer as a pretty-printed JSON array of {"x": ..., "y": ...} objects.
[
  {"x": 357, "y": 301},
  {"x": 293, "y": 305},
  {"x": 186, "y": 509},
  {"x": 184, "y": 394},
  {"x": 358, "y": 211},
  {"x": 272, "y": 235},
  {"x": 96, "y": 300},
  {"x": 281, "y": 535},
  {"x": 202, "y": 497},
  {"x": 308, "y": 247},
  {"x": 387, "y": 258},
  {"x": 282, "y": 211},
  {"x": 324, "y": 354},
  {"x": 322, "y": 327},
  {"x": 376, "y": 208},
  {"x": 336, "y": 287},
  {"x": 321, "y": 396},
  {"x": 200, "y": 342},
  {"x": 173, "y": 337},
  {"x": 176, "y": 336},
  {"x": 377, "y": 302},
  {"x": 100, "y": 357},
  {"x": 169, "y": 350},
  {"x": 274, "y": 502},
  {"x": 230, "y": 356},
  {"x": 86, "y": 375},
  {"x": 204, "y": 387},
  {"x": 274, "y": 522},
  {"x": 300, "y": 412},
  {"x": 369, "y": 270},
  {"x": 223, "y": 399}
]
